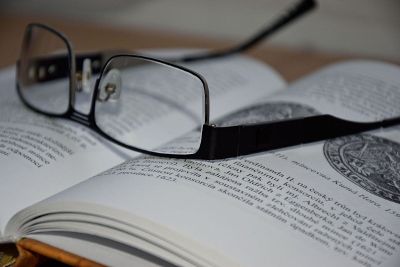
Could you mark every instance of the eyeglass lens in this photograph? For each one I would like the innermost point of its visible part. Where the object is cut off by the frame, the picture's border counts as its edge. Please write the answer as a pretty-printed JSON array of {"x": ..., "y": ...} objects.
[
  {"x": 44, "y": 71},
  {"x": 145, "y": 103}
]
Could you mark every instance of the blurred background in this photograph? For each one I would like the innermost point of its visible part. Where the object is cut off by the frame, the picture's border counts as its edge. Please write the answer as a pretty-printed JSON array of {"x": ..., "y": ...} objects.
[{"x": 366, "y": 28}]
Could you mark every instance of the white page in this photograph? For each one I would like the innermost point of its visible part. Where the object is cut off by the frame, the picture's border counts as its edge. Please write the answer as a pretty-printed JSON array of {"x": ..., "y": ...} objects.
[
  {"x": 357, "y": 90},
  {"x": 41, "y": 156},
  {"x": 80, "y": 154},
  {"x": 298, "y": 206}
]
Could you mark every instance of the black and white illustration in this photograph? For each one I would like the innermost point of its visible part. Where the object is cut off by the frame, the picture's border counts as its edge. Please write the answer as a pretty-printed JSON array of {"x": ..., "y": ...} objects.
[
  {"x": 273, "y": 111},
  {"x": 370, "y": 162}
]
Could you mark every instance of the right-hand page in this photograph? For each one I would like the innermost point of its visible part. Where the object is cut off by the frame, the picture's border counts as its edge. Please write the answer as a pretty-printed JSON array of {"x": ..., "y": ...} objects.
[
  {"x": 342, "y": 193},
  {"x": 341, "y": 196}
]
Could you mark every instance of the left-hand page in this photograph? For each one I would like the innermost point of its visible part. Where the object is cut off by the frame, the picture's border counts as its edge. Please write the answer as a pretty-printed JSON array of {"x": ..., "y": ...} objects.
[{"x": 40, "y": 156}]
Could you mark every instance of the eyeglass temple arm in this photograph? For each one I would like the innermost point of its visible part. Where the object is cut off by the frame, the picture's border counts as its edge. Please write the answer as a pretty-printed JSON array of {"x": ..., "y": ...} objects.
[
  {"x": 296, "y": 11},
  {"x": 289, "y": 16},
  {"x": 225, "y": 142}
]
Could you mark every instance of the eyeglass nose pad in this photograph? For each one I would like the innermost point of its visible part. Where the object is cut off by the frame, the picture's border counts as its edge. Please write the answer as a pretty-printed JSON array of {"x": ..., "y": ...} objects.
[
  {"x": 110, "y": 86},
  {"x": 87, "y": 75}
]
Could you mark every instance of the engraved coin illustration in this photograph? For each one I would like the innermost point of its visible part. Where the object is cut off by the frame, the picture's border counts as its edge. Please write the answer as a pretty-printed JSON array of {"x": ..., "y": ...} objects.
[
  {"x": 370, "y": 162},
  {"x": 267, "y": 112}
]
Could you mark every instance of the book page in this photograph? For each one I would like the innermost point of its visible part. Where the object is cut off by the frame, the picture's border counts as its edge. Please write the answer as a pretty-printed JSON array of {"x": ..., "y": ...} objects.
[
  {"x": 359, "y": 91},
  {"x": 330, "y": 203},
  {"x": 40, "y": 156}
]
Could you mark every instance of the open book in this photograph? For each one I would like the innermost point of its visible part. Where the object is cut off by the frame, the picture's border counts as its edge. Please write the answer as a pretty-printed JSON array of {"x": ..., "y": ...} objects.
[{"x": 330, "y": 203}]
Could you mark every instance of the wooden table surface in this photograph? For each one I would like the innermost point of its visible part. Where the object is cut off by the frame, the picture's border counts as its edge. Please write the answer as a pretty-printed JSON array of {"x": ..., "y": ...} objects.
[{"x": 291, "y": 63}]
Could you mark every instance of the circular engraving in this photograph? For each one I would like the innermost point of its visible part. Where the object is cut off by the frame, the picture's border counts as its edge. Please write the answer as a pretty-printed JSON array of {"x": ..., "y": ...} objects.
[
  {"x": 267, "y": 112},
  {"x": 370, "y": 162}
]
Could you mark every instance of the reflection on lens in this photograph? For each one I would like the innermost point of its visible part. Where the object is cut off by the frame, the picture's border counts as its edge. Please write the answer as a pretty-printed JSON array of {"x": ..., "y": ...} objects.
[
  {"x": 147, "y": 104},
  {"x": 44, "y": 71}
]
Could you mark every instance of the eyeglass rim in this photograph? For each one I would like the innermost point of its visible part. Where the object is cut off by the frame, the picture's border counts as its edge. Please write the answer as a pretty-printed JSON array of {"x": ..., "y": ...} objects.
[
  {"x": 71, "y": 66},
  {"x": 205, "y": 104}
]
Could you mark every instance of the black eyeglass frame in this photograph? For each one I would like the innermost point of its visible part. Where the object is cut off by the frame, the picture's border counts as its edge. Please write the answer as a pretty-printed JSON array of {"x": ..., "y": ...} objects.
[
  {"x": 89, "y": 119},
  {"x": 216, "y": 142}
]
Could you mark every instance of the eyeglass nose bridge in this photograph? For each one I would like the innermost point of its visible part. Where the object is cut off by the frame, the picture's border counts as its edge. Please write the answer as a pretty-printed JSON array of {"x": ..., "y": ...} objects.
[
  {"x": 86, "y": 119},
  {"x": 81, "y": 118}
]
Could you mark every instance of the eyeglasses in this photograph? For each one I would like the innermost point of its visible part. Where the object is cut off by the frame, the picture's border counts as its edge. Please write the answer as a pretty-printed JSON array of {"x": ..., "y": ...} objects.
[{"x": 140, "y": 102}]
